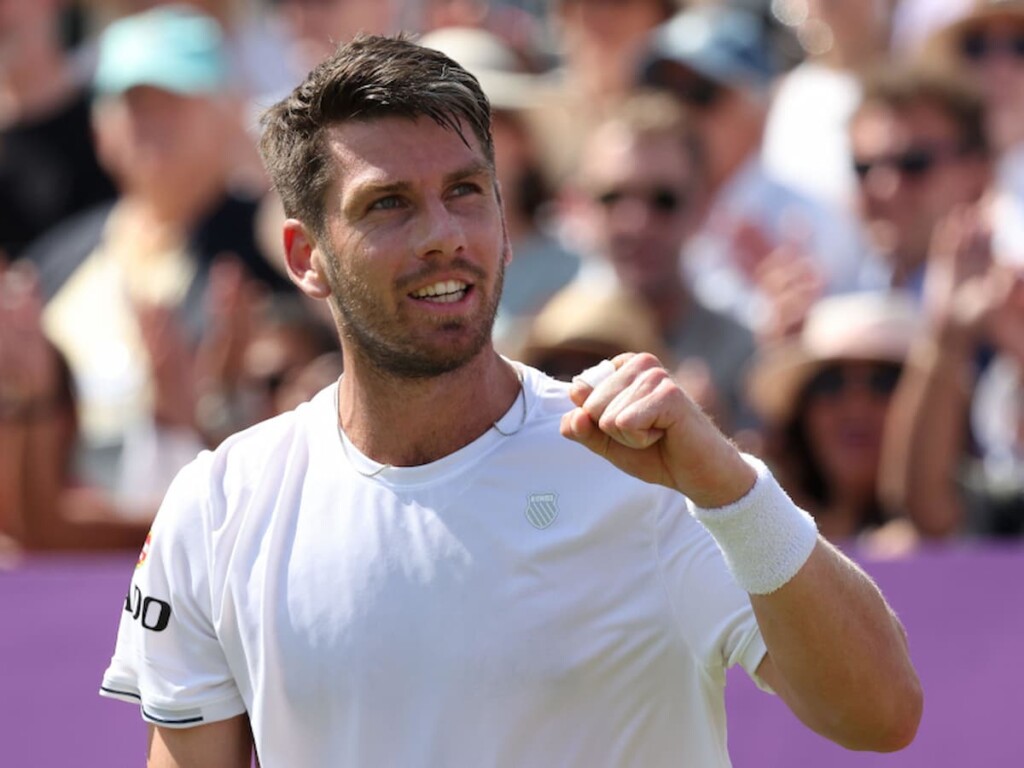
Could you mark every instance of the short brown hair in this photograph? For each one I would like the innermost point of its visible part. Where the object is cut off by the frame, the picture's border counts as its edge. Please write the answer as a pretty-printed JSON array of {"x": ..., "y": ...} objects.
[
  {"x": 901, "y": 87},
  {"x": 650, "y": 113},
  {"x": 369, "y": 78}
]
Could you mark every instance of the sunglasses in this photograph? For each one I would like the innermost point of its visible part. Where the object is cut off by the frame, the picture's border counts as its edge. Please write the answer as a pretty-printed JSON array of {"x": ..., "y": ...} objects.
[
  {"x": 689, "y": 87},
  {"x": 833, "y": 381},
  {"x": 913, "y": 163},
  {"x": 980, "y": 46},
  {"x": 660, "y": 200}
]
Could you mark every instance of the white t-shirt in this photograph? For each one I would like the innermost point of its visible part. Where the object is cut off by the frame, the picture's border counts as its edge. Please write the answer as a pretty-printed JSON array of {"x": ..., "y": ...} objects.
[{"x": 520, "y": 602}]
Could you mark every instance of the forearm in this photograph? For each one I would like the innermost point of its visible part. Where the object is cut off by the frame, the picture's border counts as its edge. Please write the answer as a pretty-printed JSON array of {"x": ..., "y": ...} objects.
[
  {"x": 13, "y": 439},
  {"x": 51, "y": 514},
  {"x": 925, "y": 439},
  {"x": 837, "y": 655},
  {"x": 29, "y": 457}
]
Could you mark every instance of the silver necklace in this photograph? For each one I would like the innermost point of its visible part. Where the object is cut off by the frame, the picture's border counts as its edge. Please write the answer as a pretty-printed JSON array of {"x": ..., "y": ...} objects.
[{"x": 494, "y": 425}]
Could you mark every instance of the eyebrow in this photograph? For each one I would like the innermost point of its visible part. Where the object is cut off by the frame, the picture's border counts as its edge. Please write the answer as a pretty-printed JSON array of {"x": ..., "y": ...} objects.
[{"x": 372, "y": 189}]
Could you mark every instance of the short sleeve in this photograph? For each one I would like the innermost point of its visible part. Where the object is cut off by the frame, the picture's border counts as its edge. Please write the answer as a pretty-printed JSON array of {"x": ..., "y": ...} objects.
[
  {"x": 712, "y": 612},
  {"x": 168, "y": 658}
]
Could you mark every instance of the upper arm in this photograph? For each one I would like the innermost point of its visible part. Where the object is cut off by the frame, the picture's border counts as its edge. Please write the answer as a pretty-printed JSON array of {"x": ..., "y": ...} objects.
[{"x": 223, "y": 744}]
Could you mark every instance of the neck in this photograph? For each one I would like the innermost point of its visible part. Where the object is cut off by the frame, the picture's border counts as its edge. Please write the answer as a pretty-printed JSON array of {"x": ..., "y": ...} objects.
[
  {"x": 408, "y": 422},
  {"x": 669, "y": 306}
]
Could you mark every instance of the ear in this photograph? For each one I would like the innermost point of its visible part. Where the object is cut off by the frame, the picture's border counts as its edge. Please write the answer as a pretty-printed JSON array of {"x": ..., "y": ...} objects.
[{"x": 304, "y": 260}]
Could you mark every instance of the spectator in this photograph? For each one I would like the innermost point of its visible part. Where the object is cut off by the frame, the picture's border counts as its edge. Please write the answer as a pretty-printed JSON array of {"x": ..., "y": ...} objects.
[
  {"x": 806, "y": 143},
  {"x": 583, "y": 325},
  {"x": 598, "y": 44},
  {"x": 955, "y": 451},
  {"x": 641, "y": 186},
  {"x": 825, "y": 396},
  {"x": 985, "y": 43},
  {"x": 126, "y": 283},
  {"x": 317, "y": 27},
  {"x": 919, "y": 149},
  {"x": 541, "y": 265},
  {"x": 43, "y": 503},
  {"x": 48, "y": 166},
  {"x": 720, "y": 62}
]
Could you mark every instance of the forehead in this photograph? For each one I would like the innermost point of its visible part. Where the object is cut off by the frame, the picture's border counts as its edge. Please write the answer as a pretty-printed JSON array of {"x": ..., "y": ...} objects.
[
  {"x": 995, "y": 24},
  {"x": 617, "y": 153},
  {"x": 390, "y": 150},
  {"x": 881, "y": 125}
]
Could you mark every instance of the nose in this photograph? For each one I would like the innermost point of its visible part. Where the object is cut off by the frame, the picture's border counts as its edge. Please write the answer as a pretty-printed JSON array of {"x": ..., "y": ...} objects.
[
  {"x": 438, "y": 232},
  {"x": 630, "y": 215},
  {"x": 882, "y": 182}
]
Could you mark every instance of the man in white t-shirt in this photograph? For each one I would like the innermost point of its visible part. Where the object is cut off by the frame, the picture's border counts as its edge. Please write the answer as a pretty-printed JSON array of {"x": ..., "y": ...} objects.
[{"x": 417, "y": 568}]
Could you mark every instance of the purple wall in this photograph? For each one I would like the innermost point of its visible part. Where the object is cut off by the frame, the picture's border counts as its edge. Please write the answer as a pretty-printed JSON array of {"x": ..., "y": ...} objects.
[{"x": 963, "y": 609}]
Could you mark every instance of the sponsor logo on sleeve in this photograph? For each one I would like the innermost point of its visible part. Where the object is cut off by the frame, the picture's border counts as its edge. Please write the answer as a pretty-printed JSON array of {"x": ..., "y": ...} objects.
[
  {"x": 152, "y": 613},
  {"x": 145, "y": 549}
]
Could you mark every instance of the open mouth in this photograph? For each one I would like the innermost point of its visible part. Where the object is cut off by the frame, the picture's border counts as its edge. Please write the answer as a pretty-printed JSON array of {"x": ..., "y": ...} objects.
[{"x": 445, "y": 292}]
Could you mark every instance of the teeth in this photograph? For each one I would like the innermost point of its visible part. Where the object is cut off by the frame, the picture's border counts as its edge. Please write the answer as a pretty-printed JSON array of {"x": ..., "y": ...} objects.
[{"x": 447, "y": 291}]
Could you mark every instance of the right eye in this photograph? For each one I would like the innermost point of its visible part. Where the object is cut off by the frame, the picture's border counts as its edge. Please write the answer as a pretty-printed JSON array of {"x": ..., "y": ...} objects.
[{"x": 390, "y": 202}]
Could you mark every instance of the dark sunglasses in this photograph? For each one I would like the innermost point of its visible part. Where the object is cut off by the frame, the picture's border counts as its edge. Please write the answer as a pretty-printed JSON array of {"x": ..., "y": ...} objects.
[
  {"x": 661, "y": 200},
  {"x": 914, "y": 163},
  {"x": 835, "y": 380},
  {"x": 689, "y": 87},
  {"x": 979, "y": 46}
]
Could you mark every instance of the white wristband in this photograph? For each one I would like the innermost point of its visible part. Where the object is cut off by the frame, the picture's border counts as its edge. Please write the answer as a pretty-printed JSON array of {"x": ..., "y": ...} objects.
[{"x": 764, "y": 536}]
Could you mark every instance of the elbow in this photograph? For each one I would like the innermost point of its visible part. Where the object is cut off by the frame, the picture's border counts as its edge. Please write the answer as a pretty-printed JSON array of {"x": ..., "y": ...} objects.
[
  {"x": 905, "y": 721},
  {"x": 895, "y": 722}
]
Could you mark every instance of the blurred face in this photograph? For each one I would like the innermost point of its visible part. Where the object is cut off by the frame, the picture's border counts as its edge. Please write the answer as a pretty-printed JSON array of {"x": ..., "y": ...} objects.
[
  {"x": 846, "y": 406},
  {"x": 612, "y": 24},
  {"x": 640, "y": 205},
  {"x": 912, "y": 170},
  {"x": 320, "y": 25},
  {"x": 993, "y": 51},
  {"x": 23, "y": 22},
  {"x": 858, "y": 25},
  {"x": 161, "y": 143},
  {"x": 415, "y": 246},
  {"x": 272, "y": 362}
]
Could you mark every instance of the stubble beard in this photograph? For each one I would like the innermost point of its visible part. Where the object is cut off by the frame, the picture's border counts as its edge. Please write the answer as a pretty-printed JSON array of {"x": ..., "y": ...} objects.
[{"x": 377, "y": 339}]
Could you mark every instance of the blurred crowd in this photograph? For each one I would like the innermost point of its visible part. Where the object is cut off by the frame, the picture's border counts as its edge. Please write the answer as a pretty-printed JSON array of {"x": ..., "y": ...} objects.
[{"x": 811, "y": 210}]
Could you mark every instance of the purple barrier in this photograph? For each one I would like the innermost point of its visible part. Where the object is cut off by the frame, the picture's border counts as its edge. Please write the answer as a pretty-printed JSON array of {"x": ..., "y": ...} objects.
[
  {"x": 962, "y": 609},
  {"x": 964, "y": 614}
]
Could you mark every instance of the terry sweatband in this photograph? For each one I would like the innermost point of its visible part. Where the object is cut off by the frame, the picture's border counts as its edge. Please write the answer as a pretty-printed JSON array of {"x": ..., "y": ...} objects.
[{"x": 764, "y": 536}]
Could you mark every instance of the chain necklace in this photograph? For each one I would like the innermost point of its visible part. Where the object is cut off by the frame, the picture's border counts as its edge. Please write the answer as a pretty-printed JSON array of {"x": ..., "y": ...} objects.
[{"x": 494, "y": 425}]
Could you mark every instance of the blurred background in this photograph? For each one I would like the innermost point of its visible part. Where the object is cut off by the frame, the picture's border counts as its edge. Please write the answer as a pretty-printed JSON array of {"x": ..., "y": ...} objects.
[{"x": 811, "y": 210}]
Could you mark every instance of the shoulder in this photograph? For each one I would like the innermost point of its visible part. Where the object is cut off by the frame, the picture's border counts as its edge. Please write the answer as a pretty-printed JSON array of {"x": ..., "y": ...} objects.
[
  {"x": 548, "y": 397},
  {"x": 250, "y": 470},
  {"x": 58, "y": 252}
]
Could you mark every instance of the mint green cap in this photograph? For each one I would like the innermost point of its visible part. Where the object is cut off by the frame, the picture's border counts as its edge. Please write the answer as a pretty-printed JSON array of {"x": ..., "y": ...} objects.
[{"x": 172, "y": 47}]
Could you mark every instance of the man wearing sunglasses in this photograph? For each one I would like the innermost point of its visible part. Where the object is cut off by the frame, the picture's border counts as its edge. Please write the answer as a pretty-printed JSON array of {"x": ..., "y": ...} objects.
[
  {"x": 919, "y": 150},
  {"x": 642, "y": 187},
  {"x": 986, "y": 43},
  {"x": 721, "y": 62}
]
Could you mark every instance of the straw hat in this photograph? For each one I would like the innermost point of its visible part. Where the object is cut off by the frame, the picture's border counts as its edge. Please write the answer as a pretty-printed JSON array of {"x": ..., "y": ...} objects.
[
  {"x": 944, "y": 44},
  {"x": 593, "y": 319},
  {"x": 491, "y": 61},
  {"x": 868, "y": 327}
]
